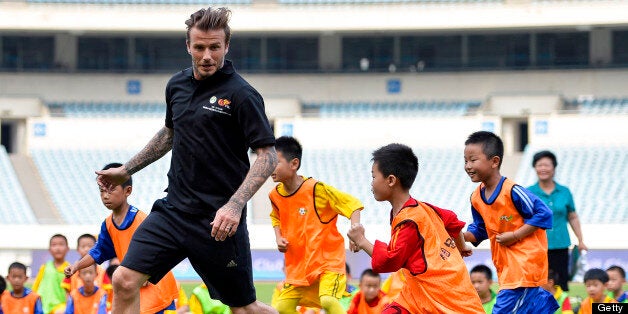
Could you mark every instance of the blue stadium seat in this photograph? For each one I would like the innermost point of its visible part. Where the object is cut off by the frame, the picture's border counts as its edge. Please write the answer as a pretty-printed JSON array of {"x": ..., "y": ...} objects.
[
  {"x": 596, "y": 175},
  {"x": 109, "y": 109},
  {"x": 69, "y": 176},
  {"x": 14, "y": 208},
  {"x": 363, "y": 109},
  {"x": 602, "y": 106}
]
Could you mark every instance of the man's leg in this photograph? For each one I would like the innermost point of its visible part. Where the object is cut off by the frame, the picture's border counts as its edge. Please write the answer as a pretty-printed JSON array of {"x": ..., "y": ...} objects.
[{"x": 126, "y": 288}]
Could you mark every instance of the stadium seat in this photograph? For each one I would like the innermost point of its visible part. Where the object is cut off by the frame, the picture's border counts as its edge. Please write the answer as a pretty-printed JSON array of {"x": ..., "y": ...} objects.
[
  {"x": 390, "y": 109},
  {"x": 596, "y": 175},
  {"x": 69, "y": 176},
  {"x": 109, "y": 109},
  {"x": 14, "y": 208},
  {"x": 601, "y": 106}
]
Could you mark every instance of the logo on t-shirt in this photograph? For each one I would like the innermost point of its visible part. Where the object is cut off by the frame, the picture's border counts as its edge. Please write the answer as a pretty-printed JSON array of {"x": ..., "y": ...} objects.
[
  {"x": 221, "y": 105},
  {"x": 302, "y": 211}
]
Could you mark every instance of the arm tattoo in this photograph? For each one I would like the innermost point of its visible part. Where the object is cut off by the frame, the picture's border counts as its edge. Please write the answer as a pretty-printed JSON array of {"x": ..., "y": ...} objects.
[
  {"x": 156, "y": 148},
  {"x": 262, "y": 168}
]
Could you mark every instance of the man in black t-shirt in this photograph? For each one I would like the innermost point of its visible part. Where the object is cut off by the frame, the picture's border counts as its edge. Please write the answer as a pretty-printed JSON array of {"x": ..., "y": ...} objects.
[{"x": 213, "y": 117}]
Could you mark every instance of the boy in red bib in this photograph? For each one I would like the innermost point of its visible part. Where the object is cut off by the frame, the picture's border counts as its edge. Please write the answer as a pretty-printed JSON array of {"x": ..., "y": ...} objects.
[{"x": 425, "y": 240}]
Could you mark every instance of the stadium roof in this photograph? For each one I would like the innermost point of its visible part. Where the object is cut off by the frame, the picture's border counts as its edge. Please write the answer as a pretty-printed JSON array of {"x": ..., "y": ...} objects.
[{"x": 276, "y": 18}]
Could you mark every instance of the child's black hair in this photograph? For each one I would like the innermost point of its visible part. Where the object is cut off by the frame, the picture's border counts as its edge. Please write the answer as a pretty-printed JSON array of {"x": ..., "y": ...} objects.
[
  {"x": 481, "y": 268},
  {"x": 492, "y": 145},
  {"x": 369, "y": 272},
  {"x": 17, "y": 265},
  {"x": 3, "y": 285},
  {"x": 58, "y": 235},
  {"x": 290, "y": 148},
  {"x": 85, "y": 236},
  {"x": 616, "y": 268},
  {"x": 552, "y": 275},
  {"x": 398, "y": 160},
  {"x": 596, "y": 274}
]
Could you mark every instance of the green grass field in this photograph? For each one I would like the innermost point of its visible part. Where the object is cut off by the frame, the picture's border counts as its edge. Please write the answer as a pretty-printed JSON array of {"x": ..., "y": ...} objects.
[{"x": 265, "y": 290}]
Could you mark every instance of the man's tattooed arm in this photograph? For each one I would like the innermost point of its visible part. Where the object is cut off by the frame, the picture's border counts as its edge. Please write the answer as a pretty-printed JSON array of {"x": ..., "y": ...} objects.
[
  {"x": 262, "y": 168},
  {"x": 156, "y": 148}
]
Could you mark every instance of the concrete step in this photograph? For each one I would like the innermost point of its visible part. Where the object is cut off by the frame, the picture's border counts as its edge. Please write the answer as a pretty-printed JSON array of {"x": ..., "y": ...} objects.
[{"x": 36, "y": 193}]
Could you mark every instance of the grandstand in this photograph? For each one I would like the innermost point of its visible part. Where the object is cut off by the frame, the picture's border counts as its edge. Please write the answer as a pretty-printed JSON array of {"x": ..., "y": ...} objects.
[{"x": 81, "y": 85}]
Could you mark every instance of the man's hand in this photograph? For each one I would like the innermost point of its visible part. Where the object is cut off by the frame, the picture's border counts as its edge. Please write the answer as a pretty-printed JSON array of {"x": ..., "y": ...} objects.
[
  {"x": 112, "y": 177},
  {"x": 226, "y": 221},
  {"x": 282, "y": 244}
]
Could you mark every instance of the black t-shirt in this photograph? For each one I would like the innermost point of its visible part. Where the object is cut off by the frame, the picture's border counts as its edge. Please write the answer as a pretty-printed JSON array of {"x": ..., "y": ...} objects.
[{"x": 215, "y": 121}]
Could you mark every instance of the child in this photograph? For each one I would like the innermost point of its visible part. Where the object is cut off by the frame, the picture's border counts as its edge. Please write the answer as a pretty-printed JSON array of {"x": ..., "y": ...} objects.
[
  {"x": 50, "y": 275},
  {"x": 562, "y": 297},
  {"x": 84, "y": 243},
  {"x": 424, "y": 239},
  {"x": 202, "y": 303},
  {"x": 21, "y": 299},
  {"x": 595, "y": 280},
  {"x": 113, "y": 241},
  {"x": 370, "y": 299},
  {"x": 482, "y": 279},
  {"x": 89, "y": 298},
  {"x": 616, "y": 281},
  {"x": 514, "y": 220},
  {"x": 304, "y": 215}
]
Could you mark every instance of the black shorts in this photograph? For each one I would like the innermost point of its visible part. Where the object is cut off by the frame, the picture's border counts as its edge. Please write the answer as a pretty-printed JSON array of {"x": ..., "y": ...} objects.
[
  {"x": 558, "y": 260},
  {"x": 168, "y": 236}
]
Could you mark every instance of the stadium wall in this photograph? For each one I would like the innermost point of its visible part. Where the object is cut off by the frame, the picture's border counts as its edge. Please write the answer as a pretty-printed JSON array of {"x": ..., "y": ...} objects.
[{"x": 329, "y": 87}]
